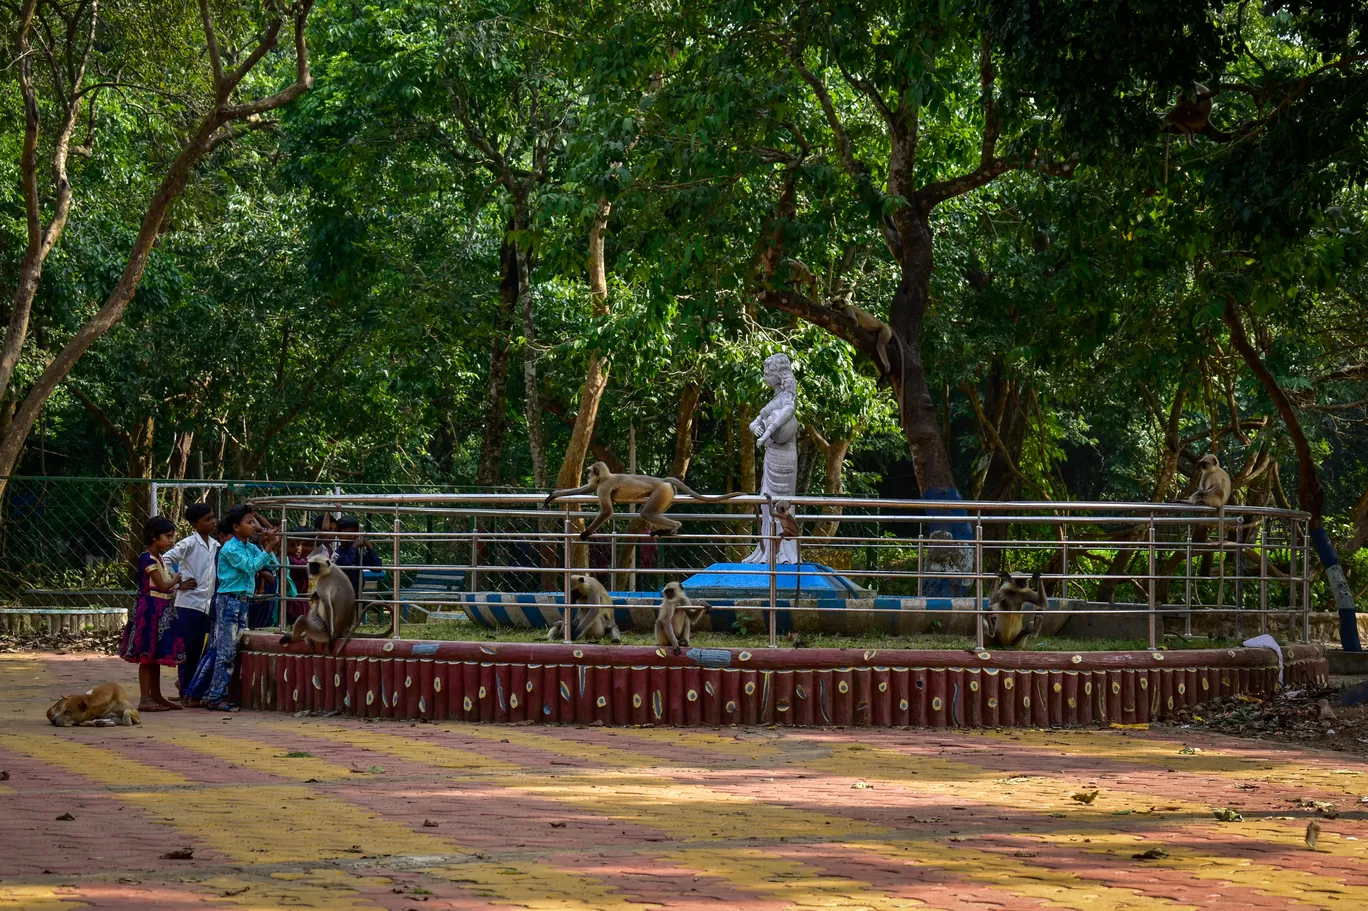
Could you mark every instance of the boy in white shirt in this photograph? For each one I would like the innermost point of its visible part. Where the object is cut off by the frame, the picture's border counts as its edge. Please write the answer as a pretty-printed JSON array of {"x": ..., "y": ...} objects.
[{"x": 195, "y": 557}]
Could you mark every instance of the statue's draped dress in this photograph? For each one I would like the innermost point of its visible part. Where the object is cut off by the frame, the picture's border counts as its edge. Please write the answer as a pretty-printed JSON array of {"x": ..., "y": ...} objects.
[{"x": 780, "y": 479}]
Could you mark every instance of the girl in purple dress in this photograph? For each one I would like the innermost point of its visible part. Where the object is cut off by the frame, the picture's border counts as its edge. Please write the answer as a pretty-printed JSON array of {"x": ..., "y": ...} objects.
[{"x": 151, "y": 639}]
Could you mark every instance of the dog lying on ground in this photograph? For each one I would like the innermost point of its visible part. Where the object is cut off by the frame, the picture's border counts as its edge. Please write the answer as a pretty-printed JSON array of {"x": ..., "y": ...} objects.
[{"x": 104, "y": 706}]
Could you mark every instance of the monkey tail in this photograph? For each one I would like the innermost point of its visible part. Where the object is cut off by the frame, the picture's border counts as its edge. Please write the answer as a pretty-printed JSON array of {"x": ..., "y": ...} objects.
[{"x": 707, "y": 498}]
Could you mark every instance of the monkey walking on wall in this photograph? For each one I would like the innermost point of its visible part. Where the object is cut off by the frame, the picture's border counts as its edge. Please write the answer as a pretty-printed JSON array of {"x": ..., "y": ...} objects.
[
  {"x": 676, "y": 616},
  {"x": 657, "y": 494},
  {"x": 1017, "y": 611},
  {"x": 594, "y": 622}
]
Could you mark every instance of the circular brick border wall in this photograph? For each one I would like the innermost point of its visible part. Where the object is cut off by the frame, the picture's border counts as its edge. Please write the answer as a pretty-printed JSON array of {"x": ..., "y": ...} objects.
[{"x": 627, "y": 685}]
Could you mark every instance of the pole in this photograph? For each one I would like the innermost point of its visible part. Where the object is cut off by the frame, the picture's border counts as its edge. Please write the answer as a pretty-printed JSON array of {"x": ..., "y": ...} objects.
[
  {"x": 474, "y": 555},
  {"x": 978, "y": 582},
  {"x": 1152, "y": 640},
  {"x": 284, "y": 577},
  {"x": 1306, "y": 583},
  {"x": 565, "y": 577},
  {"x": 394, "y": 606},
  {"x": 772, "y": 547},
  {"x": 1187, "y": 587},
  {"x": 1239, "y": 577},
  {"x": 1263, "y": 577}
]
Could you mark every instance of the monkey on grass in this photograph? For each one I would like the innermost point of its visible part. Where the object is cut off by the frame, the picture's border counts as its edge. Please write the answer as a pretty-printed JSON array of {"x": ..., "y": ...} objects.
[
  {"x": 593, "y": 623},
  {"x": 657, "y": 494},
  {"x": 676, "y": 616},
  {"x": 1016, "y": 611}
]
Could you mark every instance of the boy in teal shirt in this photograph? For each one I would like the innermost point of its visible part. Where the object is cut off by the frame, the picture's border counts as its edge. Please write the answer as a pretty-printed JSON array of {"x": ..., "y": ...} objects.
[{"x": 239, "y": 561}]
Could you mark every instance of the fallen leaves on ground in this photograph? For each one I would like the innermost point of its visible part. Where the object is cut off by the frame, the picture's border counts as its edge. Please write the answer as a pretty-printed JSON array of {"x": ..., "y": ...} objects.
[{"x": 1296, "y": 716}]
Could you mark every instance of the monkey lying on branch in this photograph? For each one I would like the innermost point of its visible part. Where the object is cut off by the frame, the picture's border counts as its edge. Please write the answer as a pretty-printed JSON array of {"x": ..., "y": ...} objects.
[{"x": 658, "y": 494}]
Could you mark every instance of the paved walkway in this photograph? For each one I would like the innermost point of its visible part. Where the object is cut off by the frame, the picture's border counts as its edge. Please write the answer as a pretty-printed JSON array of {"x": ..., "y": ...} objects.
[{"x": 288, "y": 812}]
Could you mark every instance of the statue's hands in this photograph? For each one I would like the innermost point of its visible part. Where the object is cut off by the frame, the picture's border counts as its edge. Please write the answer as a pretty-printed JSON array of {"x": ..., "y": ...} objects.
[
  {"x": 762, "y": 440},
  {"x": 757, "y": 427}
]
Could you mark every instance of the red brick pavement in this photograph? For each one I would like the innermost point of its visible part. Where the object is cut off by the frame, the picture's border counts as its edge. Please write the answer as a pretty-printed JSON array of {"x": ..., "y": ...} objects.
[{"x": 331, "y": 813}]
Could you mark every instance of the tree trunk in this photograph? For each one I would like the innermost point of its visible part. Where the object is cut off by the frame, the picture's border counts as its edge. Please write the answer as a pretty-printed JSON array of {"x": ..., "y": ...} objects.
[
  {"x": 596, "y": 374},
  {"x": 140, "y": 461},
  {"x": 1003, "y": 405},
  {"x": 930, "y": 457},
  {"x": 1310, "y": 493},
  {"x": 834, "y": 453},
  {"x": 532, "y": 411},
  {"x": 496, "y": 395},
  {"x": 684, "y": 429},
  {"x": 210, "y": 132}
]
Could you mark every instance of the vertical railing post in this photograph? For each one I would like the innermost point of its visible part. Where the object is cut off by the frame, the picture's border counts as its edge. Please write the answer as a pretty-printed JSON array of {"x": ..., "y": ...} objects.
[
  {"x": 1292, "y": 582},
  {"x": 978, "y": 582},
  {"x": 1187, "y": 586},
  {"x": 474, "y": 554},
  {"x": 1306, "y": 582},
  {"x": 1263, "y": 576},
  {"x": 395, "y": 612},
  {"x": 1064, "y": 579},
  {"x": 921, "y": 533},
  {"x": 566, "y": 632},
  {"x": 1239, "y": 577},
  {"x": 1153, "y": 642},
  {"x": 771, "y": 544},
  {"x": 283, "y": 581}
]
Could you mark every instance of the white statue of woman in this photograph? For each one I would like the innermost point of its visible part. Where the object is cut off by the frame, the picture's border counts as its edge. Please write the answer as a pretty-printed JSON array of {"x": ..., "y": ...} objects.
[{"x": 776, "y": 431}]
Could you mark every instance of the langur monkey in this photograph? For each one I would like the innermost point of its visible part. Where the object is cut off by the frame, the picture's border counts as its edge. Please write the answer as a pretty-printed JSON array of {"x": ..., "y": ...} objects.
[
  {"x": 332, "y": 615},
  {"x": 782, "y": 510},
  {"x": 676, "y": 616},
  {"x": 1213, "y": 484},
  {"x": 1213, "y": 490},
  {"x": 1016, "y": 611},
  {"x": 594, "y": 623},
  {"x": 1190, "y": 116},
  {"x": 658, "y": 494},
  {"x": 872, "y": 324},
  {"x": 332, "y": 604}
]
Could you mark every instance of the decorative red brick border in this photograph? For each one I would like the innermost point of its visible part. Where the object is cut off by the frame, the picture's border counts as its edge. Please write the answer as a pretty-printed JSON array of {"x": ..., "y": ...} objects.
[{"x": 626, "y": 685}]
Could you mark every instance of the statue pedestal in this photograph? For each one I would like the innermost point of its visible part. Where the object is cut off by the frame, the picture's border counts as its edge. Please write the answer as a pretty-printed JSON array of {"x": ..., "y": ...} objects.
[{"x": 735, "y": 581}]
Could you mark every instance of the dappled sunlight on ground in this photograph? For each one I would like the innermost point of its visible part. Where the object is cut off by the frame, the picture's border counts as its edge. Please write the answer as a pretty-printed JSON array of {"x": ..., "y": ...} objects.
[{"x": 342, "y": 813}]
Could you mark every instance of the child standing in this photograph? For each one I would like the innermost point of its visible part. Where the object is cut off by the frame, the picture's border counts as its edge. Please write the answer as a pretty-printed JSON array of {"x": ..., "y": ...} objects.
[
  {"x": 239, "y": 561},
  {"x": 151, "y": 637},
  {"x": 194, "y": 558},
  {"x": 300, "y": 545}
]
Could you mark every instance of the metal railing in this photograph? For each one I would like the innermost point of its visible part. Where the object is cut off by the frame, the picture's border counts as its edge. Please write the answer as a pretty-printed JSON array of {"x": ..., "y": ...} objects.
[{"x": 1244, "y": 563}]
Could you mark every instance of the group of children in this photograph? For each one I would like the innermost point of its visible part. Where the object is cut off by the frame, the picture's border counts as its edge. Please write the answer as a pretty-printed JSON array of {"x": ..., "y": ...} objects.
[{"x": 224, "y": 582}]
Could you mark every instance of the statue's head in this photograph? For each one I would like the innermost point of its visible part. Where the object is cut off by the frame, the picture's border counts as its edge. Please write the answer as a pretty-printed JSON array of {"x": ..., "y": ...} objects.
[{"x": 779, "y": 373}]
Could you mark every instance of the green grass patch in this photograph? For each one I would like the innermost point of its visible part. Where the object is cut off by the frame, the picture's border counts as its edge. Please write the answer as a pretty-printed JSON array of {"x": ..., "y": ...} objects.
[{"x": 466, "y": 631}]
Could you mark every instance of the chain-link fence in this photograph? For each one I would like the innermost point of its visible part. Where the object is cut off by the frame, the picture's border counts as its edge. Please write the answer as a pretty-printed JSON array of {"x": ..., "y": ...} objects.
[{"x": 71, "y": 541}]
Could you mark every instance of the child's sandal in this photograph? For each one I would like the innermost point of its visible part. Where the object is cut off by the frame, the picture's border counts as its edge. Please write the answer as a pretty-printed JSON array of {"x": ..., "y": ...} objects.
[{"x": 221, "y": 706}]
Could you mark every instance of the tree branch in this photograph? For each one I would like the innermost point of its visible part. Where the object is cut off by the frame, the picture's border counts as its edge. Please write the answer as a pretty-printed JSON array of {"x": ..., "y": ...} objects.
[
  {"x": 114, "y": 430},
  {"x": 215, "y": 60},
  {"x": 303, "y": 78}
]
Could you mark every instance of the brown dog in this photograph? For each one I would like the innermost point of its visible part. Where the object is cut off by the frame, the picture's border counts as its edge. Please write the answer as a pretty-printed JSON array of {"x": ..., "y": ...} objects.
[{"x": 104, "y": 706}]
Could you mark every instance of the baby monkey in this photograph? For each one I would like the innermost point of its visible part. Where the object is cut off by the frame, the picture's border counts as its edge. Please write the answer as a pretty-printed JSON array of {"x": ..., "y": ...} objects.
[
  {"x": 1016, "y": 611},
  {"x": 676, "y": 616},
  {"x": 657, "y": 494}
]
